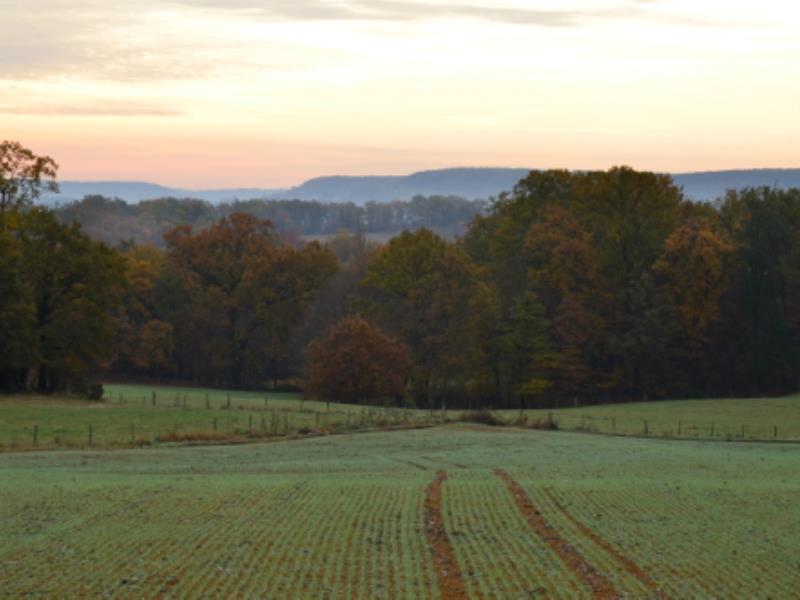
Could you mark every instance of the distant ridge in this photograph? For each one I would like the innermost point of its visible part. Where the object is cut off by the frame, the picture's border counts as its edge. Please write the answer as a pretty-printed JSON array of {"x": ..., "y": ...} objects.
[
  {"x": 136, "y": 191},
  {"x": 708, "y": 185},
  {"x": 470, "y": 183}
]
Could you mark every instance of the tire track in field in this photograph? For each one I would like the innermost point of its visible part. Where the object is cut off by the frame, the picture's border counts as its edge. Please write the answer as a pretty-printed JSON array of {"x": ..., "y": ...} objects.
[
  {"x": 631, "y": 567},
  {"x": 602, "y": 588},
  {"x": 451, "y": 585}
]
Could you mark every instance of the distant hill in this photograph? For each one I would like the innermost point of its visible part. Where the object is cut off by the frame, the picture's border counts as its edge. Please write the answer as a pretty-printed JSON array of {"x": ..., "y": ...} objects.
[
  {"x": 713, "y": 184},
  {"x": 136, "y": 191},
  {"x": 486, "y": 182},
  {"x": 470, "y": 183}
]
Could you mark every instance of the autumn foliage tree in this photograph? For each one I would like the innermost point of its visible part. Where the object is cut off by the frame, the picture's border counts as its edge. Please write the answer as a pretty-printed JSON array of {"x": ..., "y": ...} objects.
[
  {"x": 145, "y": 338},
  {"x": 59, "y": 291},
  {"x": 23, "y": 176},
  {"x": 243, "y": 288},
  {"x": 623, "y": 269},
  {"x": 429, "y": 294},
  {"x": 588, "y": 287},
  {"x": 356, "y": 362}
]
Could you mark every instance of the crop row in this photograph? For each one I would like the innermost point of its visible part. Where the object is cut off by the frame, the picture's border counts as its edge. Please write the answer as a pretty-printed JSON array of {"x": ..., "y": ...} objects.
[
  {"x": 286, "y": 538},
  {"x": 499, "y": 555},
  {"x": 346, "y": 516},
  {"x": 698, "y": 544}
]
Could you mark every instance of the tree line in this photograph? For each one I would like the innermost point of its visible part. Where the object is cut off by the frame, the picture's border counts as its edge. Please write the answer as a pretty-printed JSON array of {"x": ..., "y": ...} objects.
[
  {"x": 571, "y": 288},
  {"x": 116, "y": 222}
]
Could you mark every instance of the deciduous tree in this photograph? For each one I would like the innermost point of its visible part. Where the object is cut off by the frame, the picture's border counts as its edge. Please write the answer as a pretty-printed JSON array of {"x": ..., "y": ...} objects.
[
  {"x": 356, "y": 362},
  {"x": 23, "y": 176}
]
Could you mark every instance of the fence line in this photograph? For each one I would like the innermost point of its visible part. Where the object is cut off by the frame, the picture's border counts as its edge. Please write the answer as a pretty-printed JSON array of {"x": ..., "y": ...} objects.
[
  {"x": 261, "y": 417},
  {"x": 680, "y": 428},
  {"x": 234, "y": 426}
]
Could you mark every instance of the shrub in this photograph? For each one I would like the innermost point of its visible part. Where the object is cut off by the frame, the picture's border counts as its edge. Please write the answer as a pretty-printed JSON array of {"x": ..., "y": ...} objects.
[
  {"x": 484, "y": 417},
  {"x": 548, "y": 424},
  {"x": 95, "y": 392}
]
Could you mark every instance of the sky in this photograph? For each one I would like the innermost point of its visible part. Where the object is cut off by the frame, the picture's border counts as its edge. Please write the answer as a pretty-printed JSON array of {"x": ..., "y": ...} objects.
[{"x": 268, "y": 93}]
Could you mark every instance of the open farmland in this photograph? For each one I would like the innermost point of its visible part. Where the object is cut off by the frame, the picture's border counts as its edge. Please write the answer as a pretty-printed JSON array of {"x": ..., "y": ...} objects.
[
  {"x": 721, "y": 419},
  {"x": 446, "y": 512},
  {"x": 137, "y": 415},
  {"x": 143, "y": 415}
]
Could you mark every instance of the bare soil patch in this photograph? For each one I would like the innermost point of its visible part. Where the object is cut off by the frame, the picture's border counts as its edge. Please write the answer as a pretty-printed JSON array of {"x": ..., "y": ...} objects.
[{"x": 451, "y": 585}]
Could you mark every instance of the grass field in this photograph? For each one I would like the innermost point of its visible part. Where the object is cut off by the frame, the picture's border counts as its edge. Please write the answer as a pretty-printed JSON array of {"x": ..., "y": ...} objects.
[
  {"x": 723, "y": 419},
  {"x": 141, "y": 415},
  {"x": 135, "y": 415},
  {"x": 445, "y": 512}
]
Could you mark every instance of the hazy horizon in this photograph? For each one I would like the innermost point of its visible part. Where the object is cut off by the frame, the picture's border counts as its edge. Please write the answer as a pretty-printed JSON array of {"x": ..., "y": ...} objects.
[
  {"x": 376, "y": 175},
  {"x": 265, "y": 93}
]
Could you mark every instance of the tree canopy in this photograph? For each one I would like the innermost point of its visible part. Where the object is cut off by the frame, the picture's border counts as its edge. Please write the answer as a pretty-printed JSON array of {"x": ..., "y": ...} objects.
[
  {"x": 23, "y": 176},
  {"x": 573, "y": 287}
]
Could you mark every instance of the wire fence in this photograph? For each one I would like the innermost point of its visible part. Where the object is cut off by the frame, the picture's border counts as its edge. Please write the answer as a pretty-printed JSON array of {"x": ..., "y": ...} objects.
[
  {"x": 154, "y": 418},
  {"x": 724, "y": 429},
  {"x": 158, "y": 417}
]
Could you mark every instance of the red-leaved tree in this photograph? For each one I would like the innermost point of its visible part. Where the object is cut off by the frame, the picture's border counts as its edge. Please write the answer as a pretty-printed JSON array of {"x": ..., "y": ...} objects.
[{"x": 356, "y": 362}]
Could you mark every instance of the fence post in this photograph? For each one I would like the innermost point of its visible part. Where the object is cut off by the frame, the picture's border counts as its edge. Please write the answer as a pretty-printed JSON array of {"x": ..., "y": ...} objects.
[
  {"x": 646, "y": 429},
  {"x": 229, "y": 399},
  {"x": 208, "y": 402},
  {"x": 775, "y": 432},
  {"x": 153, "y": 398},
  {"x": 35, "y": 435}
]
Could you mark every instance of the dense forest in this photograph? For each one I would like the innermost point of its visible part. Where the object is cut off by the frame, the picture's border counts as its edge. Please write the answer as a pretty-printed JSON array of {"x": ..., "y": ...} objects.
[
  {"x": 115, "y": 222},
  {"x": 571, "y": 288}
]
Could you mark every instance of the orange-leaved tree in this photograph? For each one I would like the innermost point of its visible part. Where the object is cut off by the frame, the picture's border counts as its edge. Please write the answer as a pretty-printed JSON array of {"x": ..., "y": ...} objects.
[
  {"x": 356, "y": 362},
  {"x": 695, "y": 262}
]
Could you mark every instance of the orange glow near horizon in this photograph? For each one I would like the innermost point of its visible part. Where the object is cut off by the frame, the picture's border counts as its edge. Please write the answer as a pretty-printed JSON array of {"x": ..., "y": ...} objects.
[{"x": 254, "y": 93}]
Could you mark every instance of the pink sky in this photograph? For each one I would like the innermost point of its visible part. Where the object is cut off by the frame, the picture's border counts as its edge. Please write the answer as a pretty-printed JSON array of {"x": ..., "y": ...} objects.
[{"x": 266, "y": 93}]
